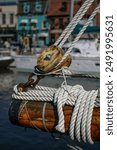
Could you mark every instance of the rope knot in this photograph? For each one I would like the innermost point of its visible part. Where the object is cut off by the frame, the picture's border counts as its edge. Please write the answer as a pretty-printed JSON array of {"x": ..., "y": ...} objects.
[
  {"x": 83, "y": 102},
  {"x": 65, "y": 95}
]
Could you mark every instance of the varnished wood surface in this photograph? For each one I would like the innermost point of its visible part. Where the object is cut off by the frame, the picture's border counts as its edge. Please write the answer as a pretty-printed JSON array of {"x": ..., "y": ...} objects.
[{"x": 30, "y": 115}]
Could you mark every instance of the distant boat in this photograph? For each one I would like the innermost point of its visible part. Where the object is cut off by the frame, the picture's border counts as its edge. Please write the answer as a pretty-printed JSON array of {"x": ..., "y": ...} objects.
[
  {"x": 5, "y": 61},
  {"x": 5, "y": 58},
  {"x": 25, "y": 63},
  {"x": 85, "y": 58}
]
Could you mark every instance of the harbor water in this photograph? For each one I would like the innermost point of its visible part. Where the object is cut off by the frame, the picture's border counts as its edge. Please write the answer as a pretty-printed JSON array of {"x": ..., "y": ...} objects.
[{"x": 20, "y": 138}]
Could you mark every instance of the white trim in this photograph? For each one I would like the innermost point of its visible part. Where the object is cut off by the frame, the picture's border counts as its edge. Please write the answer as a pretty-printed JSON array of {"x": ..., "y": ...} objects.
[
  {"x": 24, "y": 21},
  {"x": 42, "y": 34},
  {"x": 33, "y": 20}
]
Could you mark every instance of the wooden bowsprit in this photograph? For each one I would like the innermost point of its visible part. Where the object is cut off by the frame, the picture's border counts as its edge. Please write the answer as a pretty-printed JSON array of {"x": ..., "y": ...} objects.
[{"x": 44, "y": 117}]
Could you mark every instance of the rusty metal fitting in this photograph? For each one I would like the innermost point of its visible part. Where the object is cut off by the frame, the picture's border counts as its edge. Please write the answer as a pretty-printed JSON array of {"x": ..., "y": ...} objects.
[{"x": 22, "y": 87}]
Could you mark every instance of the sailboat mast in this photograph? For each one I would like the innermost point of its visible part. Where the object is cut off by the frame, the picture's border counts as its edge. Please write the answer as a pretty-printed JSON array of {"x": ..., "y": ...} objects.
[
  {"x": 71, "y": 9},
  {"x": 71, "y": 16}
]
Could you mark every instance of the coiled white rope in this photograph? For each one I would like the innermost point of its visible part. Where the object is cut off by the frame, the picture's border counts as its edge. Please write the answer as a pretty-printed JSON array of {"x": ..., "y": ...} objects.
[
  {"x": 83, "y": 102},
  {"x": 76, "y": 19}
]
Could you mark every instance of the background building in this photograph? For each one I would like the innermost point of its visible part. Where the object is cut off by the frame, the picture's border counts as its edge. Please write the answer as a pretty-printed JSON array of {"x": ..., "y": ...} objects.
[
  {"x": 32, "y": 26},
  {"x": 8, "y": 20},
  {"x": 37, "y": 23},
  {"x": 59, "y": 15}
]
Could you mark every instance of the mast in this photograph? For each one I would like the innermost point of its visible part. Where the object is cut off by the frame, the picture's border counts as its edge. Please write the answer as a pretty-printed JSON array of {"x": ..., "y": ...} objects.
[
  {"x": 71, "y": 9},
  {"x": 71, "y": 16}
]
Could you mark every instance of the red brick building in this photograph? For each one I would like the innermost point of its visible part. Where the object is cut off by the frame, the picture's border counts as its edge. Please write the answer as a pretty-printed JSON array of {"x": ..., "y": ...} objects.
[{"x": 59, "y": 15}]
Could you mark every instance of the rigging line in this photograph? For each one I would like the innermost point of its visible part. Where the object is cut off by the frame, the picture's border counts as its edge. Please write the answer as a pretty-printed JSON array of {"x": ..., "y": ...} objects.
[
  {"x": 79, "y": 34},
  {"x": 66, "y": 33},
  {"x": 71, "y": 22}
]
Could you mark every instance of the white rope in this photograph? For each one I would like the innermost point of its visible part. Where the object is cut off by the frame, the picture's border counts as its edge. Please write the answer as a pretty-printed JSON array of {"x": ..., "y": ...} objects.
[
  {"x": 84, "y": 102},
  {"x": 79, "y": 34},
  {"x": 76, "y": 19}
]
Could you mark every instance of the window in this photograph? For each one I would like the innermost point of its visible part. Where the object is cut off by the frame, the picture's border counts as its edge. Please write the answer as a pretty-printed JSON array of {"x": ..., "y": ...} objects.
[
  {"x": 52, "y": 38},
  {"x": 20, "y": 8},
  {"x": 61, "y": 23},
  {"x": 52, "y": 23},
  {"x": 33, "y": 26},
  {"x": 44, "y": 25},
  {"x": 22, "y": 24},
  {"x": 64, "y": 6},
  {"x": 11, "y": 18},
  {"x": 3, "y": 18},
  {"x": 76, "y": 50},
  {"x": 26, "y": 8},
  {"x": 38, "y": 7}
]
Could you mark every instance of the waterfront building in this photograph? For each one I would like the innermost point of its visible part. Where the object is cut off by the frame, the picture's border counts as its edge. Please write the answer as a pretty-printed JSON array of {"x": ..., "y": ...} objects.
[
  {"x": 8, "y": 20},
  {"x": 59, "y": 15},
  {"x": 32, "y": 26}
]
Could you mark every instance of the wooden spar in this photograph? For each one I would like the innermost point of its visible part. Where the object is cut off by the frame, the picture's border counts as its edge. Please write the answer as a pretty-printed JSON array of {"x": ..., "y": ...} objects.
[{"x": 35, "y": 114}]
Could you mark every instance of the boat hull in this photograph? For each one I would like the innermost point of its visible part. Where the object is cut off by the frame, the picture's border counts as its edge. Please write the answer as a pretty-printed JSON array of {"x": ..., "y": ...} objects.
[
  {"x": 25, "y": 63},
  {"x": 85, "y": 64},
  {"x": 5, "y": 62},
  {"x": 79, "y": 64}
]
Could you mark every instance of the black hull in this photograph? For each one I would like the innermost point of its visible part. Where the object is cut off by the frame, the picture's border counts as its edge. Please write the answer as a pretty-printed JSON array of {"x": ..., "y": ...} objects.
[{"x": 5, "y": 63}]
